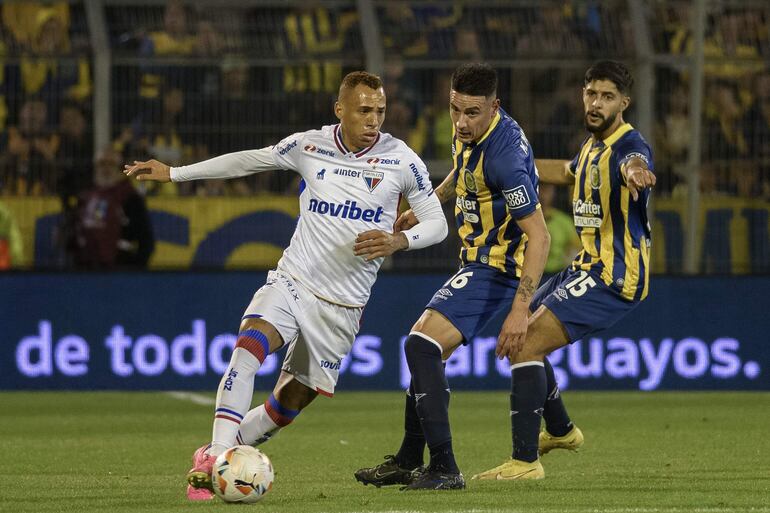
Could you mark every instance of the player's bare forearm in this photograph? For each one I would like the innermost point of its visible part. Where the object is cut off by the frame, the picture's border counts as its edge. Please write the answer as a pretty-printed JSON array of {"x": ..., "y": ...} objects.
[
  {"x": 535, "y": 256},
  {"x": 554, "y": 171},
  {"x": 514, "y": 330},
  {"x": 446, "y": 190}
]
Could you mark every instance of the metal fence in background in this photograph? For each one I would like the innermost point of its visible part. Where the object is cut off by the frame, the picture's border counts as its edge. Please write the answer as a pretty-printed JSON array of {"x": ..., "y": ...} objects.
[{"x": 183, "y": 81}]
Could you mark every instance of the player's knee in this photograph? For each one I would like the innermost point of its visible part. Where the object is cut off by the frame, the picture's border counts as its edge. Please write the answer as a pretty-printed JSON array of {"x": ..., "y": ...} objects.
[
  {"x": 417, "y": 346},
  {"x": 262, "y": 330}
]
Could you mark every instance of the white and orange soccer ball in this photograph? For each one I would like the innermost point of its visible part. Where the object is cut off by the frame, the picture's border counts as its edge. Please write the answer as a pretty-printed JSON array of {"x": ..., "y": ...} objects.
[{"x": 242, "y": 474}]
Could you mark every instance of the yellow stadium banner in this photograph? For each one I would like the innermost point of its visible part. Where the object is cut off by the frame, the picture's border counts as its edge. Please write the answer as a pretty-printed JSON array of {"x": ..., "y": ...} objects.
[
  {"x": 232, "y": 233},
  {"x": 203, "y": 232}
]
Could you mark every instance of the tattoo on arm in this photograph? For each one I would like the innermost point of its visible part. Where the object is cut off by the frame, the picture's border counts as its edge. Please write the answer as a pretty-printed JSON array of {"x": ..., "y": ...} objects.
[
  {"x": 446, "y": 190},
  {"x": 526, "y": 289}
]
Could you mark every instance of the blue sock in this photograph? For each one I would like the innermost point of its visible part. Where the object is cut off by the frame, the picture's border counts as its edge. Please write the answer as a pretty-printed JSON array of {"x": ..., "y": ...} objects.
[
  {"x": 557, "y": 421},
  {"x": 431, "y": 395},
  {"x": 410, "y": 455},
  {"x": 527, "y": 399}
]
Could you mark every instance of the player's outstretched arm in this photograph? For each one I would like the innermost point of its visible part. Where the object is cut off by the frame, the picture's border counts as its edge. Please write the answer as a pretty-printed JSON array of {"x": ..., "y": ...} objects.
[
  {"x": 637, "y": 176},
  {"x": 554, "y": 171},
  {"x": 514, "y": 330},
  {"x": 148, "y": 170},
  {"x": 230, "y": 165},
  {"x": 444, "y": 192}
]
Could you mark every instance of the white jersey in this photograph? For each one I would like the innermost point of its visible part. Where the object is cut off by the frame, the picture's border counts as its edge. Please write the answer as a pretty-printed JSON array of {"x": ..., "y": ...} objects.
[{"x": 343, "y": 194}]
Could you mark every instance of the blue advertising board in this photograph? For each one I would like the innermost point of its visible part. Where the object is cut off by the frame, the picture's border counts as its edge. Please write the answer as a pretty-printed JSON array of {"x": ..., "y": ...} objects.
[{"x": 164, "y": 331}]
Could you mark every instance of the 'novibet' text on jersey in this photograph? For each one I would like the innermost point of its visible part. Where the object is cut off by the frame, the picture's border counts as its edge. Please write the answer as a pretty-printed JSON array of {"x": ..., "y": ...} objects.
[{"x": 349, "y": 210}]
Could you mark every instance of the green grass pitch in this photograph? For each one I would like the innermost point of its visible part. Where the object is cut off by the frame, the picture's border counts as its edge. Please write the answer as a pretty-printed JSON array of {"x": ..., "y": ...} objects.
[{"x": 644, "y": 452}]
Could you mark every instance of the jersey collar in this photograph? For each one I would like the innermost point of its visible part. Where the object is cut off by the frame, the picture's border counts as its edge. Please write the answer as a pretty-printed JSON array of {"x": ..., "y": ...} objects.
[
  {"x": 341, "y": 145},
  {"x": 617, "y": 134},
  {"x": 492, "y": 126}
]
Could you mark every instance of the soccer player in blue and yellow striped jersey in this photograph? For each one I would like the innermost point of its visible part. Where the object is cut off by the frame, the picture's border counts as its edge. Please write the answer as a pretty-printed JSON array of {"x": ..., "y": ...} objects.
[
  {"x": 505, "y": 245},
  {"x": 611, "y": 174}
]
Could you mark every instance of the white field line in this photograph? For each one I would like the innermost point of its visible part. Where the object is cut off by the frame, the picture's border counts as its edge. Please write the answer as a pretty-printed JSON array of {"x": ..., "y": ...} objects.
[
  {"x": 604, "y": 510},
  {"x": 192, "y": 397}
]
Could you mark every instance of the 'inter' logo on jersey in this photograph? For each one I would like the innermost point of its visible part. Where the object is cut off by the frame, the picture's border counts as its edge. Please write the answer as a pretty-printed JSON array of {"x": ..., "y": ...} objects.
[{"x": 373, "y": 179}]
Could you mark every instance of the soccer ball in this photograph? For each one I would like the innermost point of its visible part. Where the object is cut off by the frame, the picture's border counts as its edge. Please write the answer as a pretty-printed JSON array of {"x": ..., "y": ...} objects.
[{"x": 242, "y": 474}]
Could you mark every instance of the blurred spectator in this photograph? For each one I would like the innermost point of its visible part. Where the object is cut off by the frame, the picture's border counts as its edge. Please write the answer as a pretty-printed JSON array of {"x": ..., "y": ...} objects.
[
  {"x": 162, "y": 136},
  {"x": 20, "y": 19},
  {"x": 672, "y": 138},
  {"x": 11, "y": 248},
  {"x": 564, "y": 241},
  {"x": 724, "y": 124},
  {"x": 27, "y": 167},
  {"x": 174, "y": 40},
  {"x": 551, "y": 35},
  {"x": 401, "y": 33},
  {"x": 74, "y": 155},
  {"x": 757, "y": 128},
  {"x": 318, "y": 33},
  {"x": 112, "y": 227},
  {"x": 555, "y": 135},
  {"x": 467, "y": 45}
]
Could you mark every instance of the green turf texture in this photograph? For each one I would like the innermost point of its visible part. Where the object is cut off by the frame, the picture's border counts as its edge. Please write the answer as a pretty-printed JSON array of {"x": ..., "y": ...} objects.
[{"x": 644, "y": 452}]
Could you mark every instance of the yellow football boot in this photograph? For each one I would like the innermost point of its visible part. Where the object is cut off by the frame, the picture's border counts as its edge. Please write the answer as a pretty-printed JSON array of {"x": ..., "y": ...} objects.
[
  {"x": 514, "y": 469},
  {"x": 572, "y": 441}
]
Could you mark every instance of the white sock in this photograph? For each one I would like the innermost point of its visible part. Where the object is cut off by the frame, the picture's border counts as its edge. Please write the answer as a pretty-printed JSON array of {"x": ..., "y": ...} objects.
[
  {"x": 257, "y": 427},
  {"x": 233, "y": 399}
]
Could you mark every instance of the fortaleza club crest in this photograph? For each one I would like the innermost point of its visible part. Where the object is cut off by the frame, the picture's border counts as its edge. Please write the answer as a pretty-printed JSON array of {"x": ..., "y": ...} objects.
[{"x": 372, "y": 178}]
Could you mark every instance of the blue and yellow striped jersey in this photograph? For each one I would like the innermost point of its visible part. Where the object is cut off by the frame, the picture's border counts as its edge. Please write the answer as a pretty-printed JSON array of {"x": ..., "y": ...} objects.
[
  {"x": 612, "y": 227},
  {"x": 496, "y": 183}
]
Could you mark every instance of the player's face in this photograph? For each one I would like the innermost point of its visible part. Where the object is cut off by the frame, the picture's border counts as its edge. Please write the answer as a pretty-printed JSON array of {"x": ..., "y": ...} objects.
[
  {"x": 471, "y": 115},
  {"x": 361, "y": 112},
  {"x": 603, "y": 103}
]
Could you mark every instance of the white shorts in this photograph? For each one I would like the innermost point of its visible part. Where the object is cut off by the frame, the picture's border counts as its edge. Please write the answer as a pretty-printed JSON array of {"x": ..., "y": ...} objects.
[{"x": 319, "y": 334}]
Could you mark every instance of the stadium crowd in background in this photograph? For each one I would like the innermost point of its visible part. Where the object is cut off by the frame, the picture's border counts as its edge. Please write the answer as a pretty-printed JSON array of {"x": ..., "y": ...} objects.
[{"x": 190, "y": 81}]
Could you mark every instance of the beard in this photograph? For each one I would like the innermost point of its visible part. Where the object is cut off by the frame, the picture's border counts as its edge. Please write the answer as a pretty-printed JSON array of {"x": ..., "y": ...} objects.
[{"x": 601, "y": 127}]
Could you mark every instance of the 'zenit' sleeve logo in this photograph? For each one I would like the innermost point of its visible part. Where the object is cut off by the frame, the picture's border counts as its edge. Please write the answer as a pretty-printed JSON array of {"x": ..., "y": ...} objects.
[{"x": 516, "y": 198}]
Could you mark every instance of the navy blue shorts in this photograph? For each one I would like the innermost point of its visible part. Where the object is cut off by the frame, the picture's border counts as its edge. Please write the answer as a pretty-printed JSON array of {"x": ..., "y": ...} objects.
[
  {"x": 582, "y": 302},
  {"x": 473, "y": 296}
]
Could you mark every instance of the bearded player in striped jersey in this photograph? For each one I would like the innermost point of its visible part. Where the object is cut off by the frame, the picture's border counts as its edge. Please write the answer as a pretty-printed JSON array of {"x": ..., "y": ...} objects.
[
  {"x": 612, "y": 174},
  {"x": 353, "y": 177}
]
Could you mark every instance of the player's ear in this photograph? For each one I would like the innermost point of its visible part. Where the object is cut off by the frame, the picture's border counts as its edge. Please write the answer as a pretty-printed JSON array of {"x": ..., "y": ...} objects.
[
  {"x": 338, "y": 110},
  {"x": 625, "y": 102}
]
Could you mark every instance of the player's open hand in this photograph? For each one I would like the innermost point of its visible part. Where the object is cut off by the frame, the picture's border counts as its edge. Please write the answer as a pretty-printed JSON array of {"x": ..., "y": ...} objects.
[
  {"x": 512, "y": 334},
  {"x": 405, "y": 221},
  {"x": 149, "y": 170},
  {"x": 377, "y": 243},
  {"x": 638, "y": 178}
]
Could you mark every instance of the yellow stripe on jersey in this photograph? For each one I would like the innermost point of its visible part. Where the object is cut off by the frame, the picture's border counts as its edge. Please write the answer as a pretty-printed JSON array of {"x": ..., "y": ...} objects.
[
  {"x": 460, "y": 189},
  {"x": 646, "y": 262},
  {"x": 631, "y": 259},
  {"x": 518, "y": 255},
  {"x": 606, "y": 231}
]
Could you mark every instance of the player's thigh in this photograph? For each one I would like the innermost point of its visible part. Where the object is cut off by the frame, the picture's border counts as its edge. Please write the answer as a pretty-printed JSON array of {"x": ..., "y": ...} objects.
[
  {"x": 545, "y": 334},
  {"x": 273, "y": 310},
  {"x": 435, "y": 326},
  {"x": 326, "y": 335},
  {"x": 466, "y": 303}
]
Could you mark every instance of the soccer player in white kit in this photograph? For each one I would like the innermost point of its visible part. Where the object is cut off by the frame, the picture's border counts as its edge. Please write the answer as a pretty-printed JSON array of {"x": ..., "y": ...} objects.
[{"x": 353, "y": 177}]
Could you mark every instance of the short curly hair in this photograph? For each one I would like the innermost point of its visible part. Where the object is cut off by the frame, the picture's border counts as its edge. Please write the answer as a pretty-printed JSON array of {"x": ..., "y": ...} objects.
[{"x": 614, "y": 71}]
